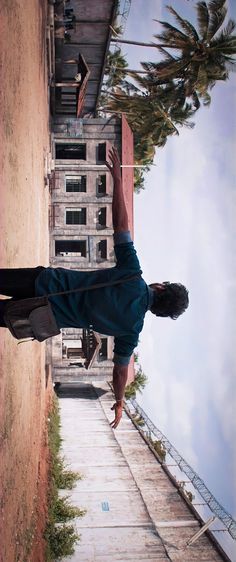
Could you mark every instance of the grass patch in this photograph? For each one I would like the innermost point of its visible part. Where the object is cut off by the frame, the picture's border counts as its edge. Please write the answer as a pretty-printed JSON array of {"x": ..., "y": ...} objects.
[
  {"x": 60, "y": 536},
  {"x": 61, "y": 541},
  {"x": 64, "y": 511}
]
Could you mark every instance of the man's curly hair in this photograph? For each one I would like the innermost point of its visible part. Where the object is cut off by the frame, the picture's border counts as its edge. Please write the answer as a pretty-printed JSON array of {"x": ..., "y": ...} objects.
[{"x": 171, "y": 301}]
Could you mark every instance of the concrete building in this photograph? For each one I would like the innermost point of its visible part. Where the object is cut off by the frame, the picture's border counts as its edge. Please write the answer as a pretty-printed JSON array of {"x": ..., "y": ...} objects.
[
  {"x": 81, "y": 232},
  {"x": 83, "y": 30},
  {"x": 80, "y": 216}
]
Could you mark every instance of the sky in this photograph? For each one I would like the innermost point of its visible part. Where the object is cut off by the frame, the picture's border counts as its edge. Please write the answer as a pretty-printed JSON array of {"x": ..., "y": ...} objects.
[{"x": 185, "y": 231}]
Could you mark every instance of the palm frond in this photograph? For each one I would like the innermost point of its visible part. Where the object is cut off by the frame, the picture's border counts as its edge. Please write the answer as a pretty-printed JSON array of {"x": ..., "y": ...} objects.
[
  {"x": 202, "y": 81},
  {"x": 217, "y": 17},
  {"x": 185, "y": 24},
  {"x": 230, "y": 27},
  {"x": 196, "y": 100},
  {"x": 152, "y": 80},
  {"x": 167, "y": 56},
  {"x": 206, "y": 98},
  {"x": 230, "y": 65},
  {"x": 171, "y": 42},
  {"x": 190, "y": 82},
  {"x": 172, "y": 31},
  {"x": 203, "y": 18},
  {"x": 223, "y": 43},
  {"x": 129, "y": 86},
  {"x": 149, "y": 66},
  {"x": 172, "y": 69},
  {"x": 215, "y": 5}
]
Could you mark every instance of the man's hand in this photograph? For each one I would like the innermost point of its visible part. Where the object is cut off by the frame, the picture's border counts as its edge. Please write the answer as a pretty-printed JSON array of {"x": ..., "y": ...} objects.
[
  {"x": 118, "y": 414},
  {"x": 114, "y": 167},
  {"x": 119, "y": 213}
]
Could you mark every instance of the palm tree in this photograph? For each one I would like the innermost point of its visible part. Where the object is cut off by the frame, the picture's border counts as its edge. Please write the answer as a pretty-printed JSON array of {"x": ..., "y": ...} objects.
[
  {"x": 116, "y": 66},
  {"x": 137, "y": 385},
  {"x": 204, "y": 56},
  {"x": 154, "y": 113}
]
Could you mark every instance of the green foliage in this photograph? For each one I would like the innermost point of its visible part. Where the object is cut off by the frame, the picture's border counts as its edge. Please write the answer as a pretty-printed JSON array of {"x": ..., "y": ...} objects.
[
  {"x": 139, "y": 180},
  {"x": 60, "y": 539},
  {"x": 60, "y": 476},
  {"x": 116, "y": 30},
  {"x": 66, "y": 479},
  {"x": 116, "y": 66},
  {"x": 203, "y": 56},
  {"x": 130, "y": 391},
  {"x": 167, "y": 96},
  {"x": 54, "y": 439},
  {"x": 138, "y": 384},
  {"x": 138, "y": 420},
  {"x": 159, "y": 448},
  {"x": 64, "y": 511},
  {"x": 189, "y": 495}
]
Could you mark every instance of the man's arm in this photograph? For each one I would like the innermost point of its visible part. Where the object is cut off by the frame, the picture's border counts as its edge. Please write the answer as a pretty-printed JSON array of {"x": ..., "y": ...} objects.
[
  {"x": 120, "y": 375},
  {"x": 119, "y": 213},
  {"x": 120, "y": 224}
]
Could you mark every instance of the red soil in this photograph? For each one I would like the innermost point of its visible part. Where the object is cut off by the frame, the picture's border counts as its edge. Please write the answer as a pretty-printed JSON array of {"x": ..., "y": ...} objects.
[{"x": 25, "y": 394}]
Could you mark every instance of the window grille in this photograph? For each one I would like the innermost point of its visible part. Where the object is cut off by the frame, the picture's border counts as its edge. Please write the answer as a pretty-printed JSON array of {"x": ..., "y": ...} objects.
[
  {"x": 77, "y": 184},
  {"x": 76, "y": 216}
]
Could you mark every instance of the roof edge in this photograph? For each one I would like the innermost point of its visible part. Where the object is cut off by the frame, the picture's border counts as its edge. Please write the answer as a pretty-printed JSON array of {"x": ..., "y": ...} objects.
[{"x": 113, "y": 15}]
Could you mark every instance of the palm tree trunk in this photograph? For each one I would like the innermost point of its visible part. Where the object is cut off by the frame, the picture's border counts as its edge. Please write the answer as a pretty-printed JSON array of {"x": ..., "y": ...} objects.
[
  {"x": 117, "y": 40},
  {"x": 129, "y": 42},
  {"x": 128, "y": 70}
]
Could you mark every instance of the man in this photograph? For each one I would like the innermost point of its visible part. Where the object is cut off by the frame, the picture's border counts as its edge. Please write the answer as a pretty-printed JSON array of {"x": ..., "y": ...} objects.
[{"x": 117, "y": 310}]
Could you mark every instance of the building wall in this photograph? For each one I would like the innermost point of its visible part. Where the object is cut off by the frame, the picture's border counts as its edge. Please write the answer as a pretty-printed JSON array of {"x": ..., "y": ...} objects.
[
  {"x": 89, "y": 132},
  {"x": 90, "y": 38}
]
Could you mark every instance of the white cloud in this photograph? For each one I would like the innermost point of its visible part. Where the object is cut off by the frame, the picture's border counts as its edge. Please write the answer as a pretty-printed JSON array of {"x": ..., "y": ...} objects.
[{"x": 185, "y": 230}]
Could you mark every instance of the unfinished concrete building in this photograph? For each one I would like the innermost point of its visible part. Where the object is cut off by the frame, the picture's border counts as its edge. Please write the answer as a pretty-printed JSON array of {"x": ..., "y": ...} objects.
[
  {"x": 81, "y": 232},
  {"x": 80, "y": 217}
]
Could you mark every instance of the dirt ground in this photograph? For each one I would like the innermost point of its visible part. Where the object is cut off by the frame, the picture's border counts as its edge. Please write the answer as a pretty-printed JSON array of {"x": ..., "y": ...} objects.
[{"x": 25, "y": 391}]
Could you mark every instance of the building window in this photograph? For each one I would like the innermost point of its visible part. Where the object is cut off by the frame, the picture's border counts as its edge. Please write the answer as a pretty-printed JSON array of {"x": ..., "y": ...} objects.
[
  {"x": 71, "y": 151},
  {"x": 102, "y": 355},
  {"x": 71, "y": 248},
  {"x": 74, "y": 353},
  {"x": 101, "y": 184},
  {"x": 102, "y": 250},
  {"x": 76, "y": 216},
  {"x": 101, "y": 152},
  {"x": 77, "y": 184},
  {"x": 72, "y": 349},
  {"x": 102, "y": 217}
]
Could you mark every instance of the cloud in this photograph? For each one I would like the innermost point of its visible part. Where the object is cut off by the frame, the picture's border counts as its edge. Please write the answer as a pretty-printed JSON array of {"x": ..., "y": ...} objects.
[
  {"x": 185, "y": 230},
  {"x": 141, "y": 27}
]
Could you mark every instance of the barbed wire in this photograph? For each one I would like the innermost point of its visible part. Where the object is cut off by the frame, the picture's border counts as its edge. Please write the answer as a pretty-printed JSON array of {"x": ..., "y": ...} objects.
[{"x": 196, "y": 481}]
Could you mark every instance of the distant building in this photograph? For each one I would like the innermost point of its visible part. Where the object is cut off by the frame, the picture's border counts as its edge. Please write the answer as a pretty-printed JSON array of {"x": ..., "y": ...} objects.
[{"x": 83, "y": 30}]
